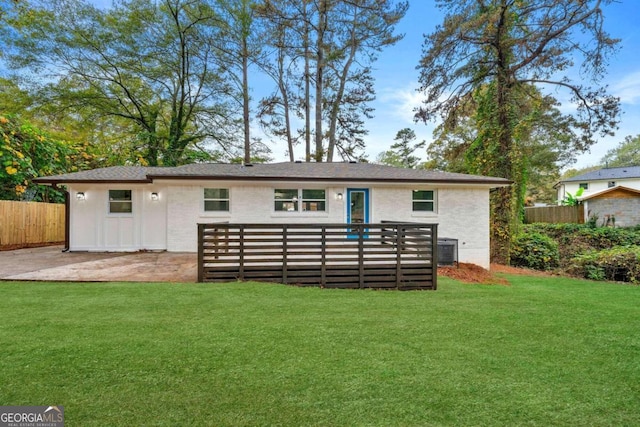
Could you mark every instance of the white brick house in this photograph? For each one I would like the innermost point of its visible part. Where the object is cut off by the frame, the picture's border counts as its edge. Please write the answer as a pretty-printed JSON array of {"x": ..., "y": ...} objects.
[{"x": 157, "y": 208}]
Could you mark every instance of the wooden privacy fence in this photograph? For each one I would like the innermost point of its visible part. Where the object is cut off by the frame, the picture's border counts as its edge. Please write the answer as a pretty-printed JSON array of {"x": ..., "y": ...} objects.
[
  {"x": 31, "y": 223},
  {"x": 555, "y": 214},
  {"x": 390, "y": 255}
]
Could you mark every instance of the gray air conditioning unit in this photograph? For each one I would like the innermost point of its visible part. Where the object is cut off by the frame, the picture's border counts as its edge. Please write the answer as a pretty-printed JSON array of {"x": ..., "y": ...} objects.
[{"x": 447, "y": 251}]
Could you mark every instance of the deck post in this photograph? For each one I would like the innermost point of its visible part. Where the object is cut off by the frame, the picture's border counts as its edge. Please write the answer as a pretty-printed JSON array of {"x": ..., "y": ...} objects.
[
  {"x": 361, "y": 254},
  {"x": 241, "y": 252},
  {"x": 285, "y": 238},
  {"x": 398, "y": 256},
  {"x": 434, "y": 255},
  {"x": 323, "y": 261},
  {"x": 200, "y": 252}
]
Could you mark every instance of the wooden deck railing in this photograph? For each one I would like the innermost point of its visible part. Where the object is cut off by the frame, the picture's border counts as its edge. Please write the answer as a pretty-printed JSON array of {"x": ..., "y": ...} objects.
[{"x": 389, "y": 255}]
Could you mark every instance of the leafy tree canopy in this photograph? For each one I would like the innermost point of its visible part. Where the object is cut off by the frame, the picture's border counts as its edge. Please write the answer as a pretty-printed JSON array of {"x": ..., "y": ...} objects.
[
  {"x": 545, "y": 136},
  {"x": 26, "y": 152},
  {"x": 627, "y": 153},
  {"x": 491, "y": 52},
  {"x": 402, "y": 152},
  {"x": 154, "y": 67}
]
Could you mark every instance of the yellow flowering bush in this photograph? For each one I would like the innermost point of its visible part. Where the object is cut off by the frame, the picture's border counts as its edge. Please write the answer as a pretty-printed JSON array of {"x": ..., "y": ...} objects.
[{"x": 26, "y": 152}]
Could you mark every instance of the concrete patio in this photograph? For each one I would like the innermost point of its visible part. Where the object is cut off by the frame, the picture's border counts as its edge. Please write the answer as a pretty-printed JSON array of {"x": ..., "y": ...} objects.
[{"x": 51, "y": 264}]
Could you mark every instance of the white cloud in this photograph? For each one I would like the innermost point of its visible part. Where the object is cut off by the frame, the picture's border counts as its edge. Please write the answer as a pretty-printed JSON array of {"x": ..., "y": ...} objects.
[
  {"x": 628, "y": 88},
  {"x": 400, "y": 102},
  {"x": 395, "y": 111}
]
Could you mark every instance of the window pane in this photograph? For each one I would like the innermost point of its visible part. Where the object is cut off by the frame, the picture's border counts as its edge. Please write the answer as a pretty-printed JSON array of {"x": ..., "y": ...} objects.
[
  {"x": 286, "y": 206},
  {"x": 119, "y": 194},
  {"x": 313, "y": 200},
  {"x": 120, "y": 207},
  {"x": 286, "y": 194},
  {"x": 313, "y": 194},
  {"x": 216, "y": 205},
  {"x": 120, "y": 201},
  {"x": 216, "y": 193},
  {"x": 423, "y": 195},
  {"x": 584, "y": 185},
  {"x": 313, "y": 206},
  {"x": 423, "y": 206}
]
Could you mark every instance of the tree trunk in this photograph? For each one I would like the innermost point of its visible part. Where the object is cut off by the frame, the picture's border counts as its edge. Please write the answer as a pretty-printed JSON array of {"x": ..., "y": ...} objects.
[
  {"x": 152, "y": 155},
  {"x": 286, "y": 108},
  {"x": 245, "y": 99},
  {"x": 307, "y": 85},
  {"x": 335, "y": 108},
  {"x": 502, "y": 200},
  {"x": 322, "y": 24}
]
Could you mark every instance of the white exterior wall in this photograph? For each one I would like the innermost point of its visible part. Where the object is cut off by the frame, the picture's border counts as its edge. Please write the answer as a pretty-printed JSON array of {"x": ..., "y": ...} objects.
[
  {"x": 594, "y": 187},
  {"x": 170, "y": 223},
  {"x": 461, "y": 213},
  {"x": 248, "y": 203},
  {"x": 93, "y": 228}
]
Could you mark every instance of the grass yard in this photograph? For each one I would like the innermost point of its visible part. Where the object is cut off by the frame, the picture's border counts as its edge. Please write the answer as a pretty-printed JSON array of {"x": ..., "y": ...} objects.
[{"x": 544, "y": 351}]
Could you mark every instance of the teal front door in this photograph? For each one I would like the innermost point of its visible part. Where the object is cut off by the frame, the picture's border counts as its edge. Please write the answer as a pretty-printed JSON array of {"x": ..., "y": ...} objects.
[{"x": 357, "y": 205}]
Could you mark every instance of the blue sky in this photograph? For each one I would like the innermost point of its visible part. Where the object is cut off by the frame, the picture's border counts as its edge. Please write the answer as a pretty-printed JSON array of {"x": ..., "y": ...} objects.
[{"x": 397, "y": 79}]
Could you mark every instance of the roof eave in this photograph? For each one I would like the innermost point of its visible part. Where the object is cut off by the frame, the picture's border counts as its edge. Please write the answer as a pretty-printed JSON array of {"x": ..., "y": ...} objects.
[
  {"x": 91, "y": 181},
  {"x": 497, "y": 183},
  {"x": 610, "y": 190}
]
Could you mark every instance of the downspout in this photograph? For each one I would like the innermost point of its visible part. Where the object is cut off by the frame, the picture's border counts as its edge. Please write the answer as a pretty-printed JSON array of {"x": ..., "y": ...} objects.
[
  {"x": 67, "y": 216},
  {"x": 67, "y": 220}
]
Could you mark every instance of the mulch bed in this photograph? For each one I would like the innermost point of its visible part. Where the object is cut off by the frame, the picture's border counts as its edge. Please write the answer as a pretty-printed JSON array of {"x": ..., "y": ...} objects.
[{"x": 471, "y": 273}]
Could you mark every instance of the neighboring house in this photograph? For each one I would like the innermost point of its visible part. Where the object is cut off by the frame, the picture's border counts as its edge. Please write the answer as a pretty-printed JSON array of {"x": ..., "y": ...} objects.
[
  {"x": 596, "y": 181},
  {"x": 610, "y": 194},
  {"x": 129, "y": 208}
]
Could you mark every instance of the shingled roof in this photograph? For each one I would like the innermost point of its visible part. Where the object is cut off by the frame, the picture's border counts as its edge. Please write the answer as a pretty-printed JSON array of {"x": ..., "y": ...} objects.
[
  {"x": 609, "y": 174},
  {"x": 285, "y": 171}
]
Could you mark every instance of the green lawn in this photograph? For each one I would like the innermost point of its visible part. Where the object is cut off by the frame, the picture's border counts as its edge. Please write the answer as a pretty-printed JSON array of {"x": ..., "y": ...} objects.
[{"x": 544, "y": 351}]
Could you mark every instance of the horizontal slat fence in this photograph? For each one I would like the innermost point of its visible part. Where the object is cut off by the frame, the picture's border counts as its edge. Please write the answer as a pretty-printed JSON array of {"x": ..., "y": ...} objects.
[
  {"x": 390, "y": 255},
  {"x": 30, "y": 223},
  {"x": 555, "y": 214}
]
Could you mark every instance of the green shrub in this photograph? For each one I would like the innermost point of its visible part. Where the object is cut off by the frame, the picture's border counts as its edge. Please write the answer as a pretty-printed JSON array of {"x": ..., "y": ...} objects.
[
  {"x": 534, "y": 250},
  {"x": 577, "y": 239},
  {"x": 621, "y": 263},
  {"x": 600, "y": 237}
]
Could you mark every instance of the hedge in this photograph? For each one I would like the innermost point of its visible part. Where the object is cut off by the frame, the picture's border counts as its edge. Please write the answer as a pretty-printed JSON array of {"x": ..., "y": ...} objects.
[
  {"x": 621, "y": 263},
  {"x": 601, "y": 253},
  {"x": 535, "y": 250}
]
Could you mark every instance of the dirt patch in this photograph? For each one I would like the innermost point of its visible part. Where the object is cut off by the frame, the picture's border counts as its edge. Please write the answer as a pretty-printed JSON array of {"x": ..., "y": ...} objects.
[
  {"x": 471, "y": 273},
  {"x": 499, "y": 268}
]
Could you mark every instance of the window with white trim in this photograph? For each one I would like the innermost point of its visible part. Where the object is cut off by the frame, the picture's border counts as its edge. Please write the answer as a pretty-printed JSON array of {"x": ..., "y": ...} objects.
[
  {"x": 120, "y": 201},
  {"x": 286, "y": 200},
  {"x": 611, "y": 184},
  {"x": 296, "y": 200},
  {"x": 424, "y": 200},
  {"x": 584, "y": 185},
  {"x": 216, "y": 200},
  {"x": 314, "y": 200}
]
